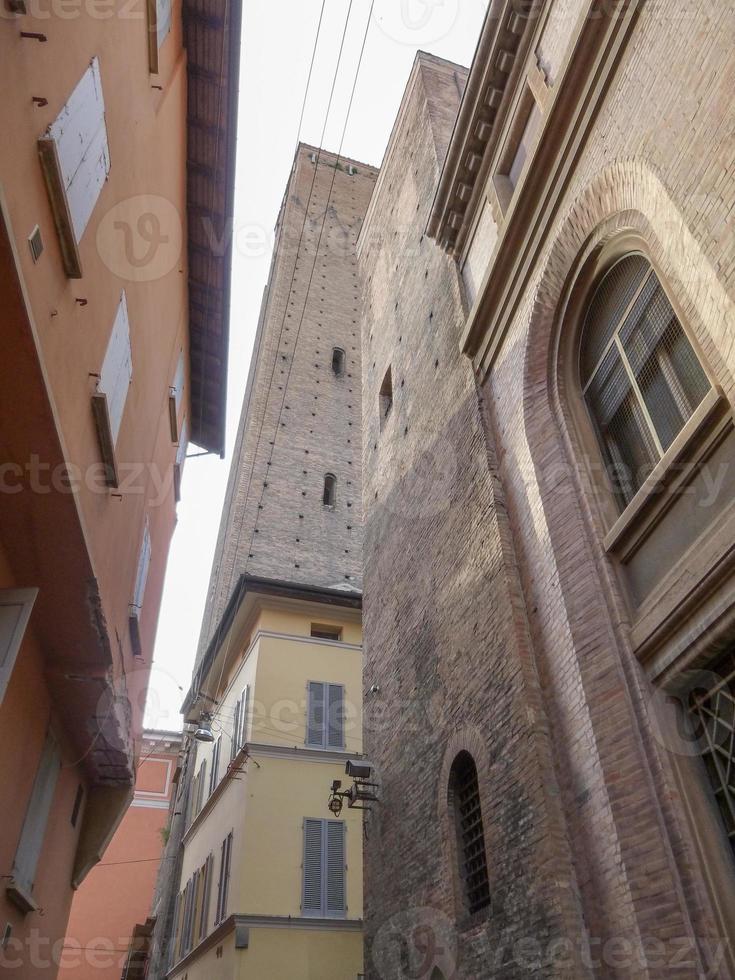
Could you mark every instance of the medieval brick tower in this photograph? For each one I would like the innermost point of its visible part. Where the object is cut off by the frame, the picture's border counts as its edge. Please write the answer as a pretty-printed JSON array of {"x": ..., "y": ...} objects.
[{"x": 292, "y": 510}]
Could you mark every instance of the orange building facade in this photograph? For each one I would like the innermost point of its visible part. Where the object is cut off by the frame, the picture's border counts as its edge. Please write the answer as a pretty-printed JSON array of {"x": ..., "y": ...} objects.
[
  {"x": 116, "y": 189},
  {"x": 108, "y": 928}
]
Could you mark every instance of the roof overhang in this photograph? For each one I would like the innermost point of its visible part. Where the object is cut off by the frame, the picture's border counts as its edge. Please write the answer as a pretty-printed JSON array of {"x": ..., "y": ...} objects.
[
  {"x": 243, "y": 602},
  {"x": 212, "y": 30}
]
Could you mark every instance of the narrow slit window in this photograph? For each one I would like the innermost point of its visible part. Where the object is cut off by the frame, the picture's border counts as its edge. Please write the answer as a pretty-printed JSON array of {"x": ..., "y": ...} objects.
[
  {"x": 386, "y": 395},
  {"x": 329, "y": 497},
  {"x": 338, "y": 361},
  {"x": 464, "y": 795}
]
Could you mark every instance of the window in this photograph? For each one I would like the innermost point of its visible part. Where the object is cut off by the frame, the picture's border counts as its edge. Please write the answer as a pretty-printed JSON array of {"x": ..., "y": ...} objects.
[
  {"x": 714, "y": 710},
  {"x": 141, "y": 578},
  {"x": 15, "y": 611},
  {"x": 338, "y": 361},
  {"x": 640, "y": 376},
  {"x": 108, "y": 402},
  {"x": 76, "y": 160},
  {"x": 386, "y": 396},
  {"x": 34, "y": 826},
  {"x": 224, "y": 879},
  {"x": 240, "y": 722},
  {"x": 180, "y": 458},
  {"x": 159, "y": 25},
  {"x": 175, "y": 396},
  {"x": 214, "y": 771},
  {"x": 324, "y": 886},
  {"x": 329, "y": 497},
  {"x": 325, "y": 715},
  {"x": 525, "y": 145},
  {"x": 196, "y": 797},
  {"x": 322, "y": 631},
  {"x": 187, "y": 927},
  {"x": 207, "y": 870},
  {"x": 464, "y": 797}
]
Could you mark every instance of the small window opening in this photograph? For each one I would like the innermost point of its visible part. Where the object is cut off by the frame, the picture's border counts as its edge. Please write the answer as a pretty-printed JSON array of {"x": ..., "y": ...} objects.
[
  {"x": 464, "y": 797},
  {"x": 322, "y": 631},
  {"x": 330, "y": 490},
  {"x": 386, "y": 395},
  {"x": 338, "y": 361},
  {"x": 77, "y": 805}
]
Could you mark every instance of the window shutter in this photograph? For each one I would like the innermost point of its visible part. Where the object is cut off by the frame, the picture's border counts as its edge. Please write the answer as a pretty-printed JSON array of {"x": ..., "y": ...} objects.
[
  {"x": 15, "y": 611},
  {"x": 181, "y": 457},
  {"x": 37, "y": 811},
  {"x": 215, "y": 765},
  {"x": 335, "y": 867},
  {"x": 235, "y": 740},
  {"x": 144, "y": 562},
  {"x": 315, "y": 714},
  {"x": 312, "y": 868},
  {"x": 335, "y": 716},
  {"x": 117, "y": 368},
  {"x": 206, "y": 893},
  {"x": 163, "y": 20},
  {"x": 176, "y": 392},
  {"x": 76, "y": 161},
  {"x": 244, "y": 706}
]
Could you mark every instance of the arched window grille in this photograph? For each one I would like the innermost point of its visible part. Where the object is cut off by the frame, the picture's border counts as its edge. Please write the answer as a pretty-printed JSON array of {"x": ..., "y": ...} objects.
[
  {"x": 338, "y": 361},
  {"x": 464, "y": 797},
  {"x": 640, "y": 375},
  {"x": 330, "y": 490}
]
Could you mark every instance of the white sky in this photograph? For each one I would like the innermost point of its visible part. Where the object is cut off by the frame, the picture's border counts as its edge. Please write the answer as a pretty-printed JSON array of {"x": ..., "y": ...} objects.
[{"x": 277, "y": 43}]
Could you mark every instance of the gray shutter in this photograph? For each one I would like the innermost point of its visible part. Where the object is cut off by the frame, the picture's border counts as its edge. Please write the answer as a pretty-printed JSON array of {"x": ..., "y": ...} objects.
[
  {"x": 15, "y": 611},
  {"x": 315, "y": 714},
  {"x": 335, "y": 867},
  {"x": 37, "y": 811},
  {"x": 335, "y": 716},
  {"x": 215, "y": 765},
  {"x": 244, "y": 705},
  {"x": 312, "y": 868}
]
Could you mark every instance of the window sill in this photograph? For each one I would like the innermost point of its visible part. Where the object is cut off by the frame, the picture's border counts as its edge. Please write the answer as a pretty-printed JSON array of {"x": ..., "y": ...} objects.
[
  {"x": 673, "y": 469},
  {"x": 21, "y": 898}
]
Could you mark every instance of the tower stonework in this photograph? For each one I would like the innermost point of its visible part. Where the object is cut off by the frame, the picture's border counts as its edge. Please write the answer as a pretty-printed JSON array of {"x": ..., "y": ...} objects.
[{"x": 301, "y": 418}]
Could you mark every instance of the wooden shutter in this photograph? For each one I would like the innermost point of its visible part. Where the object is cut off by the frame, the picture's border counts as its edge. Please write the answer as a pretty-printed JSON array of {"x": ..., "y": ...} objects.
[
  {"x": 214, "y": 772},
  {"x": 15, "y": 611},
  {"x": 311, "y": 903},
  {"x": 335, "y": 716},
  {"x": 206, "y": 893},
  {"x": 244, "y": 707},
  {"x": 37, "y": 812},
  {"x": 315, "y": 714},
  {"x": 335, "y": 898},
  {"x": 76, "y": 161},
  {"x": 224, "y": 878}
]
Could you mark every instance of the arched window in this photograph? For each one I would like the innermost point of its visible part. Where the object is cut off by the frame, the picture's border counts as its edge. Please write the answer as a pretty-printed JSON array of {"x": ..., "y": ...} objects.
[
  {"x": 338, "y": 361},
  {"x": 640, "y": 376},
  {"x": 330, "y": 490},
  {"x": 464, "y": 799}
]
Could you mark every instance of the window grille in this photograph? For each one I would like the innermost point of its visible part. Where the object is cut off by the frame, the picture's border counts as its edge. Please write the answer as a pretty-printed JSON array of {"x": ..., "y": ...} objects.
[
  {"x": 714, "y": 710},
  {"x": 329, "y": 496},
  {"x": 465, "y": 795},
  {"x": 640, "y": 375}
]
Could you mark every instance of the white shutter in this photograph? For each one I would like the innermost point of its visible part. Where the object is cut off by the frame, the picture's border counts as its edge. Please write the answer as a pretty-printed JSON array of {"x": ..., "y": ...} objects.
[
  {"x": 176, "y": 394},
  {"x": 144, "y": 563},
  {"x": 163, "y": 20},
  {"x": 315, "y": 714},
  {"x": 335, "y": 898},
  {"x": 15, "y": 611},
  {"x": 117, "y": 368},
  {"x": 235, "y": 739},
  {"x": 81, "y": 142},
  {"x": 335, "y": 716},
  {"x": 244, "y": 706},
  {"x": 311, "y": 903},
  {"x": 37, "y": 811}
]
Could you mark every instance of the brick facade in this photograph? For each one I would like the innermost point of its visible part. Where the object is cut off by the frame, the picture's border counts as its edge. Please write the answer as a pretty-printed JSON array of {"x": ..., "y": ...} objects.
[
  {"x": 299, "y": 420},
  {"x": 495, "y": 621}
]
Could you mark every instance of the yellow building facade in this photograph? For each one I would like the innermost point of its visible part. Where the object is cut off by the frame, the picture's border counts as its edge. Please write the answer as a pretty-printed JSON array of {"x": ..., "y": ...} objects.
[{"x": 271, "y": 881}]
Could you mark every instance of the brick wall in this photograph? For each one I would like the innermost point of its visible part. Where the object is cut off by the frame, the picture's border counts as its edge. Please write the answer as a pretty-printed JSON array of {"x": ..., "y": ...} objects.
[{"x": 299, "y": 421}]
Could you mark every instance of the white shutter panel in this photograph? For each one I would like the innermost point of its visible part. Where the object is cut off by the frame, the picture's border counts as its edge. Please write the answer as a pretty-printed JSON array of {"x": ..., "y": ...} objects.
[
  {"x": 335, "y": 867},
  {"x": 175, "y": 396},
  {"x": 81, "y": 141},
  {"x": 312, "y": 868},
  {"x": 144, "y": 563},
  {"x": 244, "y": 707},
  {"x": 163, "y": 20},
  {"x": 37, "y": 811},
  {"x": 315, "y": 714},
  {"x": 335, "y": 716},
  {"x": 117, "y": 368},
  {"x": 15, "y": 611},
  {"x": 235, "y": 740}
]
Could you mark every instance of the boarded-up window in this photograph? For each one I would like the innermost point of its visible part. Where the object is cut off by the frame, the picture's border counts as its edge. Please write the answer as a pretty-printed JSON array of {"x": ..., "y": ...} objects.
[
  {"x": 325, "y": 715},
  {"x": 15, "y": 611},
  {"x": 323, "y": 884},
  {"x": 108, "y": 403},
  {"x": 76, "y": 161},
  {"x": 141, "y": 578},
  {"x": 176, "y": 395},
  {"x": 34, "y": 826}
]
